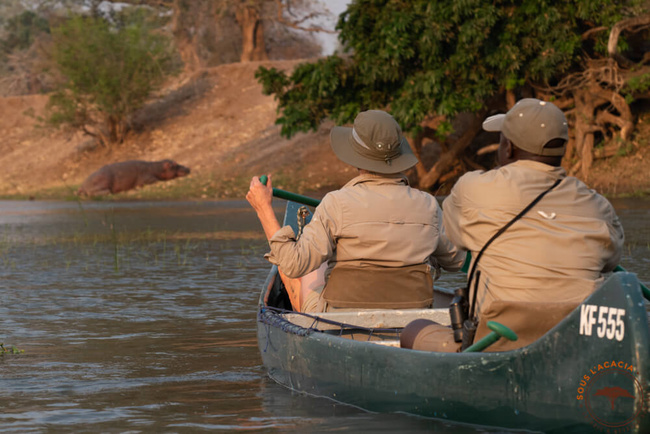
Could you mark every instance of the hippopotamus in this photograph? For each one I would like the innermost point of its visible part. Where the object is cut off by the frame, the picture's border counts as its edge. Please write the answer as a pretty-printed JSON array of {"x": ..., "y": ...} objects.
[{"x": 126, "y": 175}]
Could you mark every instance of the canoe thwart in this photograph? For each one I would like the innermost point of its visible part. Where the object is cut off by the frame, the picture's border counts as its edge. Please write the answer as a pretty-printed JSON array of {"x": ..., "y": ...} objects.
[{"x": 375, "y": 318}]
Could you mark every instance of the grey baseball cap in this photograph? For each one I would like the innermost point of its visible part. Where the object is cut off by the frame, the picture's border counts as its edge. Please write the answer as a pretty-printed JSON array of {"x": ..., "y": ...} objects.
[
  {"x": 374, "y": 143},
  {"x": 530, "y": 125}
]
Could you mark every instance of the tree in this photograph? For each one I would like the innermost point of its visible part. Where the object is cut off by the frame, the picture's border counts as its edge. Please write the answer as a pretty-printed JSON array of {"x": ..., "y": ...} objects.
[
  {"x": 193, "y": 21},
  {"x": 111, "y": 70},
  {"x": 186, "y": 17},
  {"x": 435, "y": 64},
  {"x": 23, "y": 57},
  {"x": 21, "y": 31},
  {"x": 597, "y": 98},
  {"x": 252, "y": 30},
  {"x": 252, "y": 14}
]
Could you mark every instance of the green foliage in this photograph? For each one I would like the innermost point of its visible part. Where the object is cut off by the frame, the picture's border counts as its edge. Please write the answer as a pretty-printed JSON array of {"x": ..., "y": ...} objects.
[
  {"x": 427, "y": 57},
  {"x": 111, "y": 68},
  {"x": 21, "y": 30},
  {"x": 639, "y": 84},
  {"x": 12, "y": 350}
]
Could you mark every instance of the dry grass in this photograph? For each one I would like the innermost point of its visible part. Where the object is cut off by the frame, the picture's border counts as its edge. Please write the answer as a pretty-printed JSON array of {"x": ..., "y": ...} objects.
[{"x": 219, "y": 124}]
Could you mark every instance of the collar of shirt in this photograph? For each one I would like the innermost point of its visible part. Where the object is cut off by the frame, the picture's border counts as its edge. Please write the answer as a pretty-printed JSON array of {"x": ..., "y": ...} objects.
[
  {"x": 397, "y": 178},
  {"x": 554, "y": 171}
]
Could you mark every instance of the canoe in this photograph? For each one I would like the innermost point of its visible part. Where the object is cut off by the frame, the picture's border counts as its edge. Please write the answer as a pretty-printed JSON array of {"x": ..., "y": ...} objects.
[{"x": 590, "y": 373}]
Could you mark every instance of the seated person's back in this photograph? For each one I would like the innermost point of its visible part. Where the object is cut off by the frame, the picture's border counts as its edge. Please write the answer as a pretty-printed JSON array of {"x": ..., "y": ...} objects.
[
  {"x": 378, "y": 236},
  {"x": 550, "y": 259},
  {"x": 384, "y": 237},
  {"x": 557, "y": 251}
]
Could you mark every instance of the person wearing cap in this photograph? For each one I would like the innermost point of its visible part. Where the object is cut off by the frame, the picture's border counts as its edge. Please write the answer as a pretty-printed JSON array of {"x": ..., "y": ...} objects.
[
  {"x": 549, "y": 260},
  {"x": 377, "y": 238}
]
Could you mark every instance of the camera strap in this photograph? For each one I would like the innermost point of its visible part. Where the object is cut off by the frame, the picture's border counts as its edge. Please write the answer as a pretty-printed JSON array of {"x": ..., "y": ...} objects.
[{"x": 494, "y": 237}]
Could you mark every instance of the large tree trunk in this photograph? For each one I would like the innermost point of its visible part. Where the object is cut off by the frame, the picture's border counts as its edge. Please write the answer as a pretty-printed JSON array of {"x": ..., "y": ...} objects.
[
  {"x": 592, "y": 116},
  {"x": 471, "y": 128},
  {"x": 429, "y": 127},
  {"x": 252, "y": 30},
  {"x": 185, "y": 35}
]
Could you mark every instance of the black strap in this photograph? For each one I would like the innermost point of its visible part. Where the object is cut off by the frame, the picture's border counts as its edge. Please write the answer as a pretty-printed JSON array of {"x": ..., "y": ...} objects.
[{"x": 495, "y": 236}]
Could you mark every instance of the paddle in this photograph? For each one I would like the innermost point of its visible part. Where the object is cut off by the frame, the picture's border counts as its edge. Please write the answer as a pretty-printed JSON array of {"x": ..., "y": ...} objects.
[
  {"x": 287, "y": 195},
  {"x": 498, "y": 331}
]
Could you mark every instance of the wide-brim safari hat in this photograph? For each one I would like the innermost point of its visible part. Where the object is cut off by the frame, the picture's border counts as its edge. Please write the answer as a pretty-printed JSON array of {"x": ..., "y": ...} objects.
[{"x": 375, "y": 143}]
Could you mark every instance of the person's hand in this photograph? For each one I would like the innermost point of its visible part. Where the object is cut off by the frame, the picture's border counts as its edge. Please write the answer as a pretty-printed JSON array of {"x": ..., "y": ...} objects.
[{"x": 260, "y": 196}]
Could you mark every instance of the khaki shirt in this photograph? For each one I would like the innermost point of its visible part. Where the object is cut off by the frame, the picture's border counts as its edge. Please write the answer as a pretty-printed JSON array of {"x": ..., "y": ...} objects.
[
  {"x": 374, "y": 220},
  {"x": 554, "y": 253}
]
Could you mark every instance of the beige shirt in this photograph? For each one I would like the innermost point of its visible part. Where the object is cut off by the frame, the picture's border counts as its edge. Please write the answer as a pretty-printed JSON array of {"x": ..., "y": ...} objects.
[
  {"x": 374, "y": 220},
  {"x": 555, "y": 253}
]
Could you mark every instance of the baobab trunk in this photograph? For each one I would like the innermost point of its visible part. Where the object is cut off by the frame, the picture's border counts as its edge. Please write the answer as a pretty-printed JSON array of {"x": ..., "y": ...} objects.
[
  {"x": 185, "y": 36},
  {"x": 252, "y": 30}
]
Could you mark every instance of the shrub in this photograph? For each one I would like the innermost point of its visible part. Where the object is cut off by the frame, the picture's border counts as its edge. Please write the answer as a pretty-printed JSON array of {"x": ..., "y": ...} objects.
[
  {"x": 21, "y": 30},
  {"x": 111, "y": 68}
]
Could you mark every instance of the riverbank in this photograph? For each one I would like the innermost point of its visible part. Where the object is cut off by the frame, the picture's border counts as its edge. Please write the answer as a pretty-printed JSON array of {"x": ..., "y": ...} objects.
[{"x": 221, "y": 126}]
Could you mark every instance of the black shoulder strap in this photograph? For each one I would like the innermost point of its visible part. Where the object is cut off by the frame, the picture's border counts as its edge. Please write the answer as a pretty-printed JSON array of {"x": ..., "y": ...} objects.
[{"x": 497, "y": 234}]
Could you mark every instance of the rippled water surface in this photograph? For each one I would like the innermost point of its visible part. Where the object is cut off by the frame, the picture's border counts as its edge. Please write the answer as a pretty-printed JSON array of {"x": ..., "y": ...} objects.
[{"x": 140, "y": 317}]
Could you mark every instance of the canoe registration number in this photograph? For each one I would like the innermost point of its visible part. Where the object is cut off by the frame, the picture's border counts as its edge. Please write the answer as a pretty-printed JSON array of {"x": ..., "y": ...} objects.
[{"x": 608, "y": 320}]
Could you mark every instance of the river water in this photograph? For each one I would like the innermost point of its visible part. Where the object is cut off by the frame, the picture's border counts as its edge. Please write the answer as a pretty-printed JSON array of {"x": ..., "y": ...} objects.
[{"x": 140, "y": 317}]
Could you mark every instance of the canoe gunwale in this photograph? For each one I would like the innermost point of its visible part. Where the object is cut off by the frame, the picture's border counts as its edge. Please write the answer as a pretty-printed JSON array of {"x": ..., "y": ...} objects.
[{"x": 272, "y": 317}]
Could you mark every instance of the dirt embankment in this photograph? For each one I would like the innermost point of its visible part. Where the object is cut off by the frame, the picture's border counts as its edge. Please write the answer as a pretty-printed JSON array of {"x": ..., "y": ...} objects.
[{"x": 223, "y": 128}]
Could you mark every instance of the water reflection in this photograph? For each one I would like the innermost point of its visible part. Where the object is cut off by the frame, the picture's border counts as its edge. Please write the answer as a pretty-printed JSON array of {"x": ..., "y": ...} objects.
[{"x": 141, "y": 317}]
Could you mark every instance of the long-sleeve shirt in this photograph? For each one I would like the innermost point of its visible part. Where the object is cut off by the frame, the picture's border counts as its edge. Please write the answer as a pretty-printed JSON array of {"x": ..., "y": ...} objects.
[
  {"x": 373, "y": 221},
  {"x": 556, "y": 252}
]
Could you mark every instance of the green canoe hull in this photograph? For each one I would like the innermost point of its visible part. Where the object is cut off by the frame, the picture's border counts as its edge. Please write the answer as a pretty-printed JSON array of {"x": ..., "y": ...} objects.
[{"x": 567, "y": 381}]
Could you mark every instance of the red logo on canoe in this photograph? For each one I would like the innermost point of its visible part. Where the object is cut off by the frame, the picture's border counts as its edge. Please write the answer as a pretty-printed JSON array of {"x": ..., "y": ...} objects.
[{"x": 611, "y": 395}]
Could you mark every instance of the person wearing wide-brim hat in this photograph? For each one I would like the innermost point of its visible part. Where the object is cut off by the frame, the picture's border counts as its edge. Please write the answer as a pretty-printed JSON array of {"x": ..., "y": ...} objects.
[{"x": 375, "y": 241}]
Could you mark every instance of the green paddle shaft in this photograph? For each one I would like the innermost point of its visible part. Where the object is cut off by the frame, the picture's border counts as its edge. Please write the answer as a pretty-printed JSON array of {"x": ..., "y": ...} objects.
[
  {"x": 287, "y": 195},
  {"x": 498, "y": 331}
]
